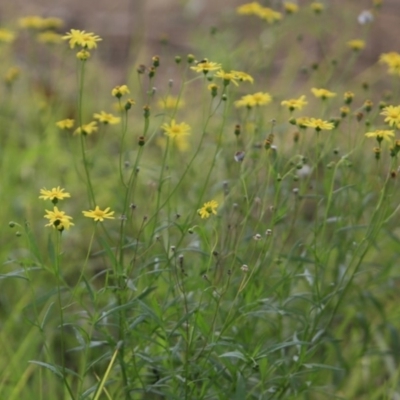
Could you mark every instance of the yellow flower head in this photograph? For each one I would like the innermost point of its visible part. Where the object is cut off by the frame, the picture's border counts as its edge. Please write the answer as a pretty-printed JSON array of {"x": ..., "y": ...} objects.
[
  {"x": 99, "y": 215},
  {"x": 11, "y": 75},
  {"x": 249, "y": 8},
  {"x": 6, "y": 36},
  {"x": 356, "y": 44},
  {"x": 174, "y": 130},
  {"x": 380, "y": 135},
  {"x": 243, "y": 76},
  {"x": 87, "y": 40},
  {"x": 269, "y": 15},
  {"x": 65, "y": 123},
  {"x": 348, "y": 97},
  {"x": 295, "y": 104},
  {"x": 119, "y": 91},
  {"x": 319, "y": 124},
  {"x": 227, "y": 77},
  {"x": 392, "y": 60},
  {"x": 54, "y": 194},
  {"x": 83, "y": 55},
  {"x": 209, "y": 208},
  {"x": 170, "y": 103},
  {"x": 205, "y": 66},
  {"x": 87, "y": 129},
  {"x": 58, "y": 219},
  {"x": 106, "y": 118},
  {"x": 392, "y": 114},
  {"x": 301, "y": 122},
  {"x": 31, "y": 22},
  {"x": 317, "y": 7},
  {"x": 252, "y": 100},
  {"x": 290, "y": 8},
  {"x": 322, "y": 93}
]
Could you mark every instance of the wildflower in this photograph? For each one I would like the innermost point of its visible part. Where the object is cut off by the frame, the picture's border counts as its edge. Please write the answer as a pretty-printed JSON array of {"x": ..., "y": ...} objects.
[
  {"x": 129, "y": 103},
  {"x": 243, "y": 76},
  {"x": 392, "y": 114},
  {"x": 317, "y": 7},
  {"x": 348, "y": 97},
  {"x": 256, "y": 99},
  {"x": 392, "y": 60},
  {"x": 6, "y": 36},
  {"x": 106, "y": 118},
  {"x": 319, "y": 124},
  {"x": 31, "y": 22},
  {"x": 205, "y": 66},
  {"x": 294, "y": 104},
  {"x": 290, "y": 8},
  {"x": 84, "y": 39},
  {"x": 322, "y": 93},
  {"x": 227, "y": 77},
  {"x": 213, "y": 88},
  {"x": 210, "y": 207},
  {"x": 174, "y": 130},
  {"x": 52, "y": 23},
  {"x": 83, "y": 55},
  {"x": 58, "y": 219},
  {"x": 356, "y": 44},
  {"x": 365, "y": 17},
  {"x": 170, "y": 103},
  {"x": 301, "y": 122},
  {"x": 99, "y": 215},
  {"x": 11, "y": 75},
  {"x": 269, "y": 15},
  {"x": 87, "y": 129},
  {"x": 380, "y": 135},
  {"x": 249, "y": 8},
  {"x": 54, "y": 194},
  {"x": 344, "y": 111},
  {"x": 119, "y": 91},
  {"x": 65, "y": 123},
  {"x": 49, "y": 37},
  {"x": 368, "y": 104}
]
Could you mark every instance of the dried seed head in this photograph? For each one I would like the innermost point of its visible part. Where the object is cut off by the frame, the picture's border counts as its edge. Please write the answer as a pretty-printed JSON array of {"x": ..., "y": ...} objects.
[
  {"x": 244, "y": 268},
  {"x": 257, "y": 237},
  {"x": 268, "y": 232},
  {"x": 239, "y": 156}
]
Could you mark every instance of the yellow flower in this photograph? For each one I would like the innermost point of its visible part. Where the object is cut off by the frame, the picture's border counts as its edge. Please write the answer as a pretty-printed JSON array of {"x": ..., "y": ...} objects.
[
  {"x": 319, "y": 124},
  {"x": 106, "y": 118},
  {"x": 174, "y": 130},
  {"x": 87, "y": 40},
  {"x": 392, "y": 60},
  {"x": 170, "y": 103},
  {"x": 205, "y": 66},
  {"x": 249, "y": 8},
  {"x": 54, "y": 194},
  {"x": 12, "y": 74},
  {"x": 99, "y": 215},
  {"x": 210, "y": 207},
  {"x": 83, "y": 55},
  {"x": 256, "y": 99},
  {"x": 58, "y": 219},
  {"x": 322, "y": 93},
  {"x": 31, "y": 22},
  {"x": 348, "y": 97},
  {"x": 227, "y": 77},
  {"x": 119, "y": 91},
  {"x": 269, "y": 15},
  {"x": 392, "y": 114},
  {"x": 65, "y": 123},
  {"x": 7, "y": 36},
  {"x": 87, "y": 129},
  {"x": 52, "y": 23},
  {"x": 317, "y": 7},
  {"x": 242, "y": 76},
  {"x": 344, "y": 111},
  {"x": 380, "y": 135},
  {"x": 301, "y": 122},
  {"x": 356, "y": 44},
  {"x": 49, "y": 37},
  {"x": 294, "y": 104},
  {"x": 290, "y": 8}
]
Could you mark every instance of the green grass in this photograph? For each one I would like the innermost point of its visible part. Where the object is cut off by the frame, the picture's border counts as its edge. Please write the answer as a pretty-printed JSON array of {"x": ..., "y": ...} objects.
[{"x": 288, "y": 291}]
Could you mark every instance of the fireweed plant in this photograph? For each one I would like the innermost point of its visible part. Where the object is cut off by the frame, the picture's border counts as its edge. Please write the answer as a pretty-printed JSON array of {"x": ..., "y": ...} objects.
[{"x": 220, "y": 225}]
